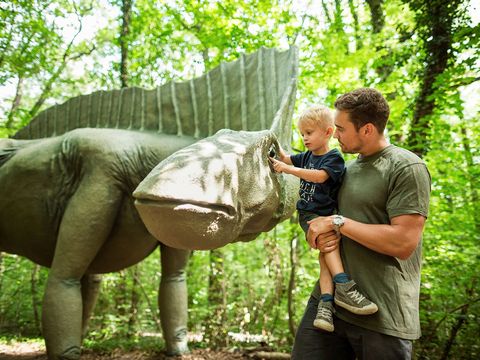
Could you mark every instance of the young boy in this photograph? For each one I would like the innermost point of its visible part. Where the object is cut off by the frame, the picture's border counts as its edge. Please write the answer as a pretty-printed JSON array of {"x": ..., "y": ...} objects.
[{"x": 320, "y": 171}]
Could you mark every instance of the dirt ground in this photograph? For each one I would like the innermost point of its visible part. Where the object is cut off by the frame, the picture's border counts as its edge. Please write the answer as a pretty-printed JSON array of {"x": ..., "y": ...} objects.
[{"x": 34, "y": 351}]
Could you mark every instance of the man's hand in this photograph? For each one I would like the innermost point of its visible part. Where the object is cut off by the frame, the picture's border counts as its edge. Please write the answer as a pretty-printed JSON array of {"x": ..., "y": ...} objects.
[{"x": 322, "y": 235}]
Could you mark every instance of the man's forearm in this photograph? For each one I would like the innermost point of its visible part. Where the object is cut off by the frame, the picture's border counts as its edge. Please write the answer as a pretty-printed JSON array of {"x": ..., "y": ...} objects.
[{"x": 399, "y": 239}]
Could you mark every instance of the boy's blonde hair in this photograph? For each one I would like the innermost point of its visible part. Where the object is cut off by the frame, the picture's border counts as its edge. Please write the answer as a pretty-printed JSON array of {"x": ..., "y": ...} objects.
[{"x": 318, "y": 115}]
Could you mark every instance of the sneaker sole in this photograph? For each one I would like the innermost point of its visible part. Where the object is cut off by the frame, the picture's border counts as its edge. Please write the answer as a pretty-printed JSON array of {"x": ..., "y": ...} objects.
[
  {"x": 367, "y": 310},
  {"x": 323, "y": 325}
]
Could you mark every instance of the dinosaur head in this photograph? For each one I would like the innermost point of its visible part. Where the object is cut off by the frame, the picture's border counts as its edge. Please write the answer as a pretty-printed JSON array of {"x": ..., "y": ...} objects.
[{"x": 217, "y": 191}]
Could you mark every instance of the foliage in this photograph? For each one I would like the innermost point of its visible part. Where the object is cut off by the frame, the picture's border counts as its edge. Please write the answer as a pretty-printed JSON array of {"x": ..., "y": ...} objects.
[{"x": 341, "y": 48}]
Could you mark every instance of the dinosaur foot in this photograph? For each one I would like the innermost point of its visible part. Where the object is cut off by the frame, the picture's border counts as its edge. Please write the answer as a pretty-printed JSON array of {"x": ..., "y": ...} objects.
[
  {"x": 72, "y": 353},
  {"x": 179, "y": 348}
]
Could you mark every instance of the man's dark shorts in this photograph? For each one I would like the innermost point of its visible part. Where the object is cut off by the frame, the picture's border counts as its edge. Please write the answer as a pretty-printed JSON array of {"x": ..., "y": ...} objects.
[{"x": 346, "y": 342}]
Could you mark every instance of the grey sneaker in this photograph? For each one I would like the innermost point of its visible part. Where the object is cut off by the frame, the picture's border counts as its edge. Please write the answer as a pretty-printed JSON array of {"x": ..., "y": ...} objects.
[
  {"x": 324, "y": 318},
  {"x": 348, "y": 296}
]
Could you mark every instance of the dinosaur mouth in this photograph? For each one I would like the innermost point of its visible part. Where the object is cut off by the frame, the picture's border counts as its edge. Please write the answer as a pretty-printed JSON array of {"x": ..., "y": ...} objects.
[
  {"x": 189, "y": 205},
  {"x": 188, "y": 224}
]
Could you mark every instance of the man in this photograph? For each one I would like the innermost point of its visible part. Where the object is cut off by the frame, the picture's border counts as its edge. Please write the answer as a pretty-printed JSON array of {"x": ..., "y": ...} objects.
[{"x": 383, "y": 205}]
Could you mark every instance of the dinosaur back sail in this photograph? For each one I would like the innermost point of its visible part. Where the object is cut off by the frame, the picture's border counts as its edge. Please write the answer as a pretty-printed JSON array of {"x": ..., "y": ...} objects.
[{"x": 246, "y": 94}]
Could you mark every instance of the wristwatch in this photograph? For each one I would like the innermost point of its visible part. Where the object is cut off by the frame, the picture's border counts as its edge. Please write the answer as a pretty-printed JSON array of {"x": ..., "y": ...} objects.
[{"x": 338, "y": 221}]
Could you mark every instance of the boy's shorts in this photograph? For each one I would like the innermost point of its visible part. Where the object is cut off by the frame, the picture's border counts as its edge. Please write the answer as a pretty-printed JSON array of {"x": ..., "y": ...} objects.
[{"x": 303, "y": 217}]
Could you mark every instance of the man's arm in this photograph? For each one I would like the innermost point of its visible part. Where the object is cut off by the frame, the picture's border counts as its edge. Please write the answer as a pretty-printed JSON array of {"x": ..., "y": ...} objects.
[{"x": 399, "y": 238}]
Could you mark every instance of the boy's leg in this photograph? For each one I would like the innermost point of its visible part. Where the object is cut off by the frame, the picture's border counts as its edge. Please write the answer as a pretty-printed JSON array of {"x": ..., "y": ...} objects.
[
  {"x": 334, "y": 262},
  {"x": 325, "y": 310},
  {"x": 326, "y": 282},
  {"x": 347, "y": 292}
]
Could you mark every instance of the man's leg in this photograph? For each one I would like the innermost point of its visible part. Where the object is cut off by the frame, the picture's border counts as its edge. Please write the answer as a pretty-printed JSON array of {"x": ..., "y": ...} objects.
[
  {"x": 372, "y": 345},
  {"x": 314, "y": 344}
]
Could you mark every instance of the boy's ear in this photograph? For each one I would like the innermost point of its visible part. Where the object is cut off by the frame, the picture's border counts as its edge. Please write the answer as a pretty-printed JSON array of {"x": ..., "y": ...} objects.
[{"x": 329, "y": 131}]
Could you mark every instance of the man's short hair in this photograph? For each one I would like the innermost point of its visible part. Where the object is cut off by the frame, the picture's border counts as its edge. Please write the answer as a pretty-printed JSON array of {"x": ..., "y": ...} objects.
[
  {"x": 318, "y": 115},
  {"x": 365, "y": 106}
]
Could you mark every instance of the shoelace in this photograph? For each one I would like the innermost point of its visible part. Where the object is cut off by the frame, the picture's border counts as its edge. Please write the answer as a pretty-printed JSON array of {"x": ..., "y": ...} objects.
[
  {"x": 324, "y": 312},
  {"x": 356, "y": 296}
]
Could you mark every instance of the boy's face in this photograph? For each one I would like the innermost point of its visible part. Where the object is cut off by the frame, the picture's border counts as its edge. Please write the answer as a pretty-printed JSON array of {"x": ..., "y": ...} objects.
[{"x": 315, "y": 137}]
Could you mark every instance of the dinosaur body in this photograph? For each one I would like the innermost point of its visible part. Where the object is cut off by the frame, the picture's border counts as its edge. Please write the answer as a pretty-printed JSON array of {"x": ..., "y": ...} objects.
[
  {"x": 48, "y": 175},
  {"x": 66, "y": 184}
]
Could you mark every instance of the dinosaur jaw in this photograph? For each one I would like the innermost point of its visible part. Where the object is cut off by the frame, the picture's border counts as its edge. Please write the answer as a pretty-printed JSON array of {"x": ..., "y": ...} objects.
[{"x": 188, "y": 225}]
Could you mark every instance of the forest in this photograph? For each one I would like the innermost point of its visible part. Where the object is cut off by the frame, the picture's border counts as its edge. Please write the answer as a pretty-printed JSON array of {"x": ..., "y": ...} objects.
[{"x": 422, "y": 55}]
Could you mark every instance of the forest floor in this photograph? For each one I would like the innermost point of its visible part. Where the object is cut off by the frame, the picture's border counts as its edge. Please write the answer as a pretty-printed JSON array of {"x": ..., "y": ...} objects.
[{"x": 36, "y": 351}]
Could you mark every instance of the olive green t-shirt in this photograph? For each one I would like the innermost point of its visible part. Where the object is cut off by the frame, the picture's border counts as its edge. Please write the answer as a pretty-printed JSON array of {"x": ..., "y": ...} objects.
[{"x": 375, "y": 189}]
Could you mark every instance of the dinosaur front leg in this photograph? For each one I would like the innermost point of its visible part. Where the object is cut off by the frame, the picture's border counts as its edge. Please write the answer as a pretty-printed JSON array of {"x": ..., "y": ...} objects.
[
  {"x": 85, "y": 225},
  {"x": 172, "y": 299}
]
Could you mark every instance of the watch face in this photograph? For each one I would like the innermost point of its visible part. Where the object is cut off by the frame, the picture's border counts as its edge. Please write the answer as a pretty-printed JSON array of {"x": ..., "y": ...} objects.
[{"x": 337, "y": 221}]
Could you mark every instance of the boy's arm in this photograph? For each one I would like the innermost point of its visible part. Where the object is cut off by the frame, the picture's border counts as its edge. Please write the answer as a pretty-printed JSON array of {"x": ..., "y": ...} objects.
[
  {"x": 311, "y": 175},
  {"x": 284, "y": 157}
]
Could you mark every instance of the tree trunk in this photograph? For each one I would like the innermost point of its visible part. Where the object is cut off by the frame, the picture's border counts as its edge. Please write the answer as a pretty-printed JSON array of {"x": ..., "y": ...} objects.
[
  {"x": 376, "y": 15},
  {"x": 326, "y": 11},
  {"x": 217, "y": 297},
  {"x": 134, "y": 300},
  {"x": 35, "y": 303},
  {"x": 206, "y": 60},
  {"x": 437, "y": 37},
  {"x": 454, "y": 331},
  {"x": 46, "y": 90},
  {"x": 356, "y": 26},
  {"x": 216, "y": 333},
  {"x": 120, "y": 299},
  {"x": 472, "y": 174},
  {"x": 15, "y": 102},
  {"x": 338, "y": 27},
  {"x": 291, "y": 283},
  {"x": 153, "y": 309},
  {"x": 461, "y": 319},
  {"x": 338, "y": 17},
  {"x": 124, "y": 33},
  {"x": 377, "y": 19},
  {"x": 1, "y": 271},
  {"x": 56, "y": 74}
]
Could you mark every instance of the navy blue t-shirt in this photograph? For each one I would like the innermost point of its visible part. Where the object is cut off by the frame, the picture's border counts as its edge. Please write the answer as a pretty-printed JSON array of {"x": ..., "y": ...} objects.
[{"x": 320, "y": 198}]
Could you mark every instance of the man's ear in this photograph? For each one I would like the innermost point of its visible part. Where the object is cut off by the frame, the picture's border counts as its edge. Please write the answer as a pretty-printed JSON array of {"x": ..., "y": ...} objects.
[{"x": 368, "y": 129}]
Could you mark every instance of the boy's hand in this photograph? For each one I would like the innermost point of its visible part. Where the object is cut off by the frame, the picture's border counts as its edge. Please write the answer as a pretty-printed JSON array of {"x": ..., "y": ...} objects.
[{"x": 278, "y": 166}]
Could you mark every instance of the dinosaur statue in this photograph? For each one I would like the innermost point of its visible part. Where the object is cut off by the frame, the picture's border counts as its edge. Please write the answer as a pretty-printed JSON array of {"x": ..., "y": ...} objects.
[{"x": 69, "y": 185}]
